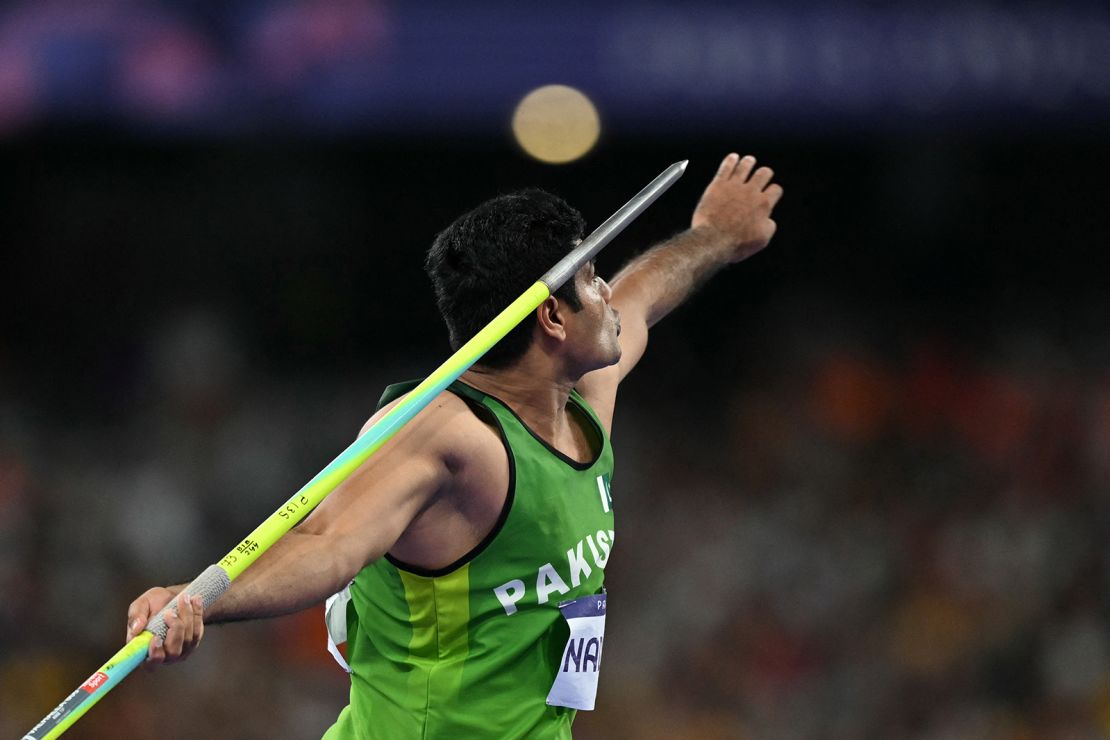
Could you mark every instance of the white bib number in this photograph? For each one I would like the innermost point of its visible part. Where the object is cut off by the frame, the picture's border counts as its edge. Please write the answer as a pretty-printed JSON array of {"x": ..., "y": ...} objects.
[{"x": 576, "y": 681}]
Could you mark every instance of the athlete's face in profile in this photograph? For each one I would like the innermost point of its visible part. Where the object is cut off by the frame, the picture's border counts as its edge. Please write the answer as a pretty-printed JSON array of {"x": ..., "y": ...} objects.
[{"x": 592, "y": 332}]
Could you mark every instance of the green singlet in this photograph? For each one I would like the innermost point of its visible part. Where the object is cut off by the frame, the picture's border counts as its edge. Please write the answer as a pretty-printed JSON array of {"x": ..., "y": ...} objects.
[{"x": 471, "y": 651}]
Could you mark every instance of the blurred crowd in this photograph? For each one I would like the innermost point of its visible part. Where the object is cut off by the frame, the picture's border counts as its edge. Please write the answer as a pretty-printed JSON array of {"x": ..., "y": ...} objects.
[
  {"x": 822, "y": 534},
  {"x": 871, "y": 540},
  {"x": 861, "y": 482}
]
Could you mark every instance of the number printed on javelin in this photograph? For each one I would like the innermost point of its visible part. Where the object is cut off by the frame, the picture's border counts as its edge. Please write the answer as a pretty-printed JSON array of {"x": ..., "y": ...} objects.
[{"x": 293, "y": 507}]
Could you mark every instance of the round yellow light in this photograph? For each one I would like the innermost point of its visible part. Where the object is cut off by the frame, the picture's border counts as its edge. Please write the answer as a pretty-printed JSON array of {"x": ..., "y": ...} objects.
[{"x": 556, "y": 124}]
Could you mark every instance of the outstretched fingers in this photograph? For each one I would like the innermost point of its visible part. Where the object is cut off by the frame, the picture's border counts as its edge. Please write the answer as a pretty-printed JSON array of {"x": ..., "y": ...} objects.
[
  {"x": 741, "y": 168},
  {"x": 761, "y": 178},
  {"x": 744, "y": 167},
  {"x": 736, "y": 206},
  {"x": 728, "y": 164},
  {"x": 774, "y": 193}
]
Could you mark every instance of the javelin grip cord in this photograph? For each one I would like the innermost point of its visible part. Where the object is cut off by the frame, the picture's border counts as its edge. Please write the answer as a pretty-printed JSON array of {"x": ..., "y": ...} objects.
[
  {"x": 217, "y": 578},
  {"x": 209, "y": 586}
]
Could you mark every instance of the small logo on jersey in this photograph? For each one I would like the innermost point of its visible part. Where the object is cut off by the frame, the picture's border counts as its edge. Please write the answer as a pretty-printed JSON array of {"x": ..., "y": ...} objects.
[
  {"x": 603, "y": 491},
  {"x": 95, "y": 681}
]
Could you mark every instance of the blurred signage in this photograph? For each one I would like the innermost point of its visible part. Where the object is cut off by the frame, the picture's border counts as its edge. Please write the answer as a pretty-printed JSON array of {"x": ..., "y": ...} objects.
[{"x": 367, "y": 66}]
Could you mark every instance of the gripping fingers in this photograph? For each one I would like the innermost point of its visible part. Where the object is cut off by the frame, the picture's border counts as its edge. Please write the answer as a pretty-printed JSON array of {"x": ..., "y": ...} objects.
[
  {"x": 168, "y": 648},
  {"x": 137, "y": 616},
  {"x": 181, "y": 628},
  {"x": 156, "y": 653},
  {"x": 160, "y": 647},
  {"x": 198, "y": 626}
]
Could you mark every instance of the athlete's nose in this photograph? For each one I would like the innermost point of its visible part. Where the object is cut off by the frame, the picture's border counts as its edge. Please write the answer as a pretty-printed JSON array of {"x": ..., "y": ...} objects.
[{"x": 606, "y": 291}]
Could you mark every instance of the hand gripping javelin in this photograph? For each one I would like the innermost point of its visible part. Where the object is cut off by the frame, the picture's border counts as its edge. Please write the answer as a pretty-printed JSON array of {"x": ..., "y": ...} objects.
[{"x": 217, "y": 578}]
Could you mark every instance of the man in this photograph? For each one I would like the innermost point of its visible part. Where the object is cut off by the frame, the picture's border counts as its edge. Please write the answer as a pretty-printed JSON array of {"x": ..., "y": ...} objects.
[{"x": 469, "y": 552}]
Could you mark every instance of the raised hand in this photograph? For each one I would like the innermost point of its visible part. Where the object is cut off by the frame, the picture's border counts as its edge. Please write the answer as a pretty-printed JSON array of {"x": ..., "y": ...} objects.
[{"x": 737, "y": 206}]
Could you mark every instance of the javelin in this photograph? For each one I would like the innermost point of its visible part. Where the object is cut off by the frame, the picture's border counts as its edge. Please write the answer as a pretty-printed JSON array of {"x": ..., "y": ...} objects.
[{"x": 217, "y": 578}]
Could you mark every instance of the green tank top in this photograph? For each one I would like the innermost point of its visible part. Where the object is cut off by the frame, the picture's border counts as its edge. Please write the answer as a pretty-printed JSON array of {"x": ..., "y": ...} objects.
[{"x": 470, "y": 651}]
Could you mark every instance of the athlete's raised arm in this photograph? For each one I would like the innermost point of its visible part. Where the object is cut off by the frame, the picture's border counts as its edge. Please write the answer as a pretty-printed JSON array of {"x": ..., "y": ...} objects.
[{"x": 732, "y": 221}]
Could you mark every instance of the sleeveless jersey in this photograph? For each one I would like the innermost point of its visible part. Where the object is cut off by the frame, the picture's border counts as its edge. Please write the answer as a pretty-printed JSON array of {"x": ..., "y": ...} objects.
[{"x": 471, "y": 651}]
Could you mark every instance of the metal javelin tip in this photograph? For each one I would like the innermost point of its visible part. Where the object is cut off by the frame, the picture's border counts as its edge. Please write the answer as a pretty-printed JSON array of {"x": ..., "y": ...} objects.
[{"x": 614, "y": 225}]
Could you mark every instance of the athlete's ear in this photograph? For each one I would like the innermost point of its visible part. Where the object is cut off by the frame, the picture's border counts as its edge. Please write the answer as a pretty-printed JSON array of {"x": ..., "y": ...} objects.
[{"x": 549, "y": 319}]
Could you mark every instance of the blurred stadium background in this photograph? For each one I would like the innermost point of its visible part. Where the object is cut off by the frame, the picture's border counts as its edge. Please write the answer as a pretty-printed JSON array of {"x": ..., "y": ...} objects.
[{"x": 863, "y": 480}]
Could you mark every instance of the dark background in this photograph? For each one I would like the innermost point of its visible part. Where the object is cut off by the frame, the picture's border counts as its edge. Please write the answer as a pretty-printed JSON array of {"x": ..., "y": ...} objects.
[{"x": 863, "y": 479}]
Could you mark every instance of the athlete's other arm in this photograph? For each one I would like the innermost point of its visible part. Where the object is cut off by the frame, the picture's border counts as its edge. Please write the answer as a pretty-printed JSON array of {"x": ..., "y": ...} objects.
[
  {"x": 355, "y": 525},
  {"x": 732, "y": 221}
]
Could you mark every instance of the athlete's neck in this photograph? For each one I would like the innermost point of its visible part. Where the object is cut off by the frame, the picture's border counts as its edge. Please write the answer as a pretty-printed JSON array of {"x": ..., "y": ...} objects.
[{"x": 532, "y": 390}]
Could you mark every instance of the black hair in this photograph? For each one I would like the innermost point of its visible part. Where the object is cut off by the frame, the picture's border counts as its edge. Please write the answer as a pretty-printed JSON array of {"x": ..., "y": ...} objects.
[{"x": 488, "y": 257}]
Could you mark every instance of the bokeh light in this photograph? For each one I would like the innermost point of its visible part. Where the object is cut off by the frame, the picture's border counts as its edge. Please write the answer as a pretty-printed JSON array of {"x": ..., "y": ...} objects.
[{"x": 556, "y": 124}]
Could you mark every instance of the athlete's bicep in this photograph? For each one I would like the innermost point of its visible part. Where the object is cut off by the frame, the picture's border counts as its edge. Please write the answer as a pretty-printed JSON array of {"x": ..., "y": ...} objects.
[{"x": 367, "y": 513}]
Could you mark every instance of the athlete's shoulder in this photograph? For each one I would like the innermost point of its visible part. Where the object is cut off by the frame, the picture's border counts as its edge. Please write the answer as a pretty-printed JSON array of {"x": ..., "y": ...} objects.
[{"x": 447, "y": 428}]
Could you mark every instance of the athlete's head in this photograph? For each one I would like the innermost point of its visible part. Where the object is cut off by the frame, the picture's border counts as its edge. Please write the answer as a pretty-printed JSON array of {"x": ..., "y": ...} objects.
[{"x": 484, "y": 260}]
